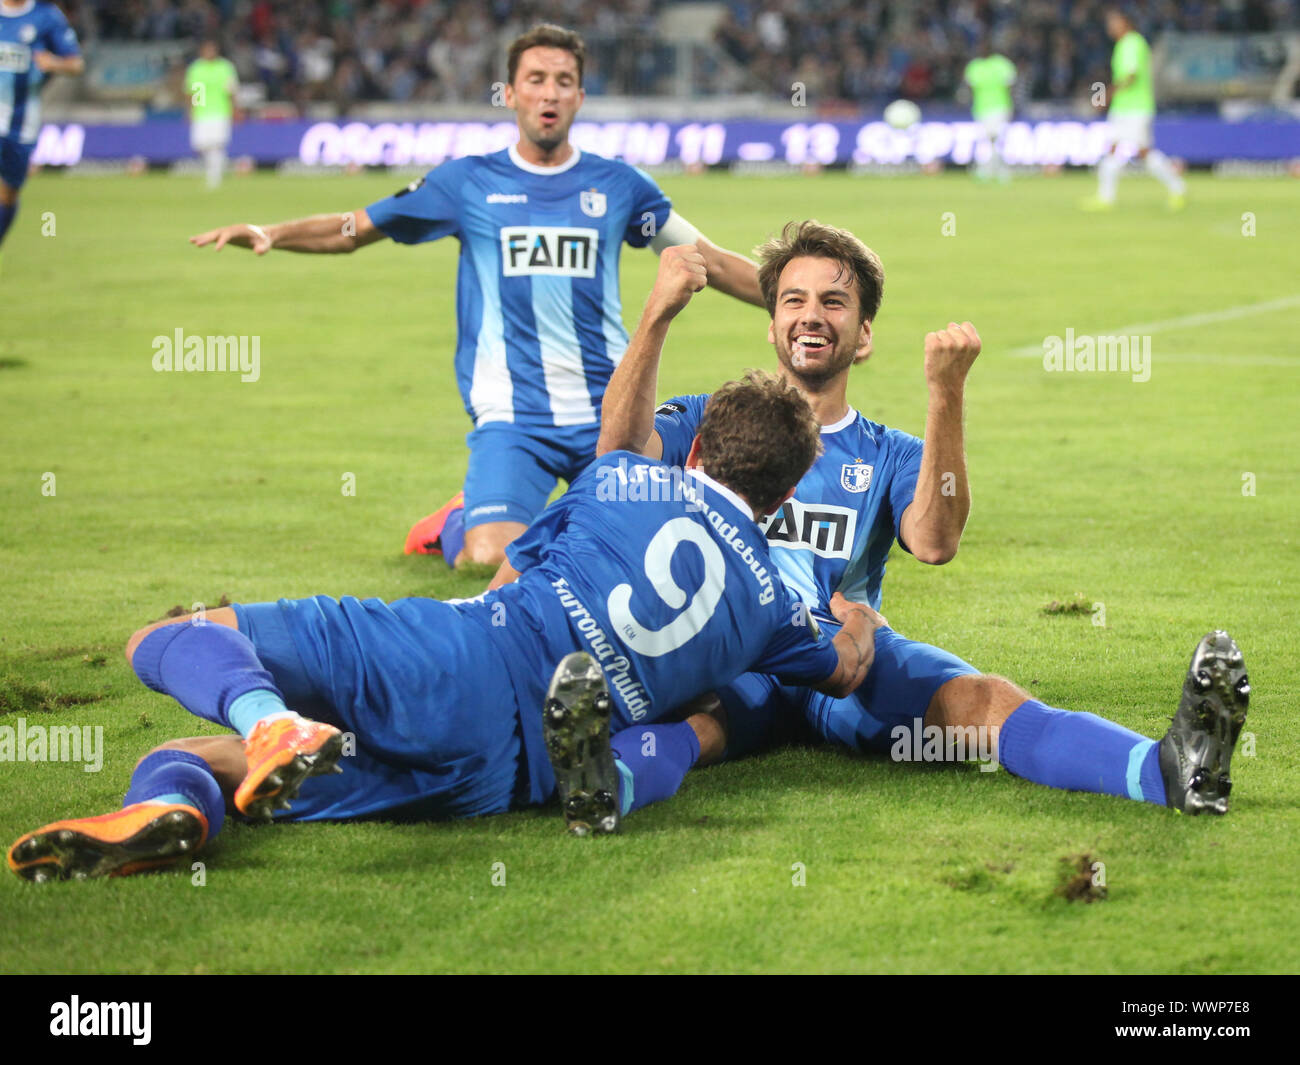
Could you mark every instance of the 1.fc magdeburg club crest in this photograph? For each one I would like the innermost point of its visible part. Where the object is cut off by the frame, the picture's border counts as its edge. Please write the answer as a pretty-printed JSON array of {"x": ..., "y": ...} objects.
[
  {"x": 855, "y": 477},
  {"x": 593, "y": 203}
]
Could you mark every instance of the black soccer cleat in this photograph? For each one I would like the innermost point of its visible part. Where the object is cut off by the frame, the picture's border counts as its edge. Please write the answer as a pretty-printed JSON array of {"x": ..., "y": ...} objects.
[
  {"x": 1195, "y": 752},
  {"x": 575, "y": 724}
]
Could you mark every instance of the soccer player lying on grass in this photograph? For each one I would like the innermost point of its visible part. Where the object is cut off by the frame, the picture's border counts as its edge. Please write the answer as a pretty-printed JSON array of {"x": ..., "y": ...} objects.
[
  {"x": 668, "y": 596},
  {"x": 871, "y": 486}
]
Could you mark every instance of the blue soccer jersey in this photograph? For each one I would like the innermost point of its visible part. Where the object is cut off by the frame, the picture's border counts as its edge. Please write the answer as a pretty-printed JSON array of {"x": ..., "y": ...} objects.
[
  {"x": 540, "y": 326},
  {"x": 666, "y": 582},
  {"x": 835, "y": 533},
  {"x": 35, "y": 27}
]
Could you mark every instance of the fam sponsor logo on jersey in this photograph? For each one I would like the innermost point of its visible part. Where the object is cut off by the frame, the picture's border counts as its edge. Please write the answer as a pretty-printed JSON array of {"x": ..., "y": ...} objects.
[
  {"x": 592, "y": 203},
  {"x": 15, "y": 58},
  {"x": 556, "y": 251},
  {"x": 856, "y": 476},
  {"x": 824, "y": 529}
]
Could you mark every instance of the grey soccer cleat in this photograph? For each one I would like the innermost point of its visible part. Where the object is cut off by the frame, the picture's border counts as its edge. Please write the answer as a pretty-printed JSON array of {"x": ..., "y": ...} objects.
[
  {"x": 575, "y": 724},
  {"x": 1195, "y": 752}
]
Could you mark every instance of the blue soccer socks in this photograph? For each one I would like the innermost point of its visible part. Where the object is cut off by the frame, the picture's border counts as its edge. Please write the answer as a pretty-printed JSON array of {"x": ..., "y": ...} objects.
[{"x": 1080, "y": 752}]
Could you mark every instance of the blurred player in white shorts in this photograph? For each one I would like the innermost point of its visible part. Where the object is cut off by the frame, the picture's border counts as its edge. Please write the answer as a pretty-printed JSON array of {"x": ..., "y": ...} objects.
[
  {"x": 1130, "y": 118},
  {"x": 210, "y": 86},
  {"x": 990, "y": 77}
]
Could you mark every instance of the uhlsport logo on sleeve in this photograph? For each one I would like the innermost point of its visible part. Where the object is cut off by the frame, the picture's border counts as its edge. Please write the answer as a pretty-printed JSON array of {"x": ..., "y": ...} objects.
[
  {"x": 556, "y": 251},
  {"x": 856, "y": 476}
]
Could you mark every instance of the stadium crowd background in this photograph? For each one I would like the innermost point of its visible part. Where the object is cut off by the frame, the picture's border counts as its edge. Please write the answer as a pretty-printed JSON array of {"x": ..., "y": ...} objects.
[{"x": 861, "y": 53}]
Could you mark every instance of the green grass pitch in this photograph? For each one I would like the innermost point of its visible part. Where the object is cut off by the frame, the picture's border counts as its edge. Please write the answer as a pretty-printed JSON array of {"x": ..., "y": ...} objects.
[{"x": 181, "y": 488}]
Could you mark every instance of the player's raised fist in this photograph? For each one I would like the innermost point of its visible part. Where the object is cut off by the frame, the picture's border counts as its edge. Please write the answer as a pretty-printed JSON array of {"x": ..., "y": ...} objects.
[
  {"x": 682, "y": 273},
  {"x": 950, "y": 353},
  {"x": 243, "y": 235}
]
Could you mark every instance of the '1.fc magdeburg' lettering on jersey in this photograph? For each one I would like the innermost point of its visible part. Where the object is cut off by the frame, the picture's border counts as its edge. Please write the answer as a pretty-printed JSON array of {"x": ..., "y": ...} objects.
[{"x": 538, "y": 314}]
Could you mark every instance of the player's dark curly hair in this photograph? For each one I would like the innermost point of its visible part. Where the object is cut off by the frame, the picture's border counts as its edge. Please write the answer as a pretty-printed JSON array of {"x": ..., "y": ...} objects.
[
  {"x": 799, "y": 239},
  {"x": 545, "y": 35},
  {"x": 758, "y": 436}
]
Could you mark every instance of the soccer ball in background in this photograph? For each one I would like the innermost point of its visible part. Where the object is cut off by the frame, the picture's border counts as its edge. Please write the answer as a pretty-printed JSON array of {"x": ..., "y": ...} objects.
[{"x": 902, "y": 114}]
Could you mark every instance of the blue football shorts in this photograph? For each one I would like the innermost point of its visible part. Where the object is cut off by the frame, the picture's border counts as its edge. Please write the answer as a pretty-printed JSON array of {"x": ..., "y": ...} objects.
[
  {"x": 14, "y": 161},
  {"x": 423, "y": 690},
  {"x": 761, "y": 711},
  {"x": 514, "y": 468}
]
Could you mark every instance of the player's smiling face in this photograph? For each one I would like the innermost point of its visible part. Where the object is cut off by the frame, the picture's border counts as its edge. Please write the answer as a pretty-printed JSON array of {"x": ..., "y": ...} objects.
[
  {"x": 816, "y": 326},
  {"x": 545, "y": 96}
]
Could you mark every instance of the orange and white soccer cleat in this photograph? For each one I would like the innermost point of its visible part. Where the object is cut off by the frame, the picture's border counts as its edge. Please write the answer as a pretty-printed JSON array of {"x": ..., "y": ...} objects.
[
  {"x": 282, "y": 752},
  {"x": 144, "y": 835},
  {"x": 423, "y": 539}
]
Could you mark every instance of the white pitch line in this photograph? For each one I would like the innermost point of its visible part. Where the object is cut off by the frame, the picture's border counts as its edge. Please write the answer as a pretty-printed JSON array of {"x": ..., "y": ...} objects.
[
  {"x": 1244, "y": 310},
  {"x": 1235, "y": 360}
]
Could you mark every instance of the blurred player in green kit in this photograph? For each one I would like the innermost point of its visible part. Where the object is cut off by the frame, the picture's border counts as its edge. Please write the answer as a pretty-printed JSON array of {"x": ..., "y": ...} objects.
[
  {"x": 990, "y": 77},
  {"x": 1131, "y": 115},
  {"x": 210, "y": 86}
]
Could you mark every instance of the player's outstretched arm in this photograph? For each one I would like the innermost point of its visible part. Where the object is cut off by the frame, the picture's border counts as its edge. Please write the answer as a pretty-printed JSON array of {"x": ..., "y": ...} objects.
[
  {"x": 855, "y": 644},
  {"x": 627, "y": 414},
  {"x": 731, "y": 272},
  {"x": 933, "y": 522},
  {"x": 324, "y": 234},
  {"x": 728, "y": 271},
  {"x": 49, "y": 63}
]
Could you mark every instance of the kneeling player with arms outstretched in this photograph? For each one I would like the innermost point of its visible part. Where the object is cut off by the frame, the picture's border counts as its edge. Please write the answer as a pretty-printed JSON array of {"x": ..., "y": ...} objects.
[{"x": 667, "y": 593}]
